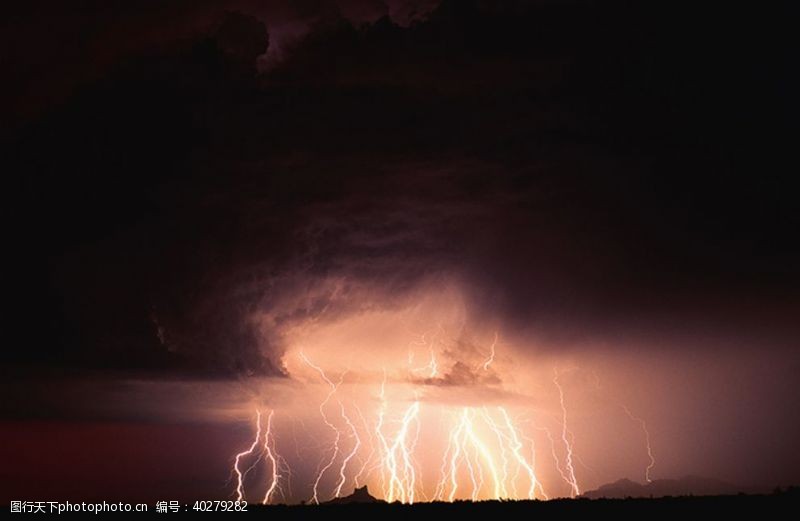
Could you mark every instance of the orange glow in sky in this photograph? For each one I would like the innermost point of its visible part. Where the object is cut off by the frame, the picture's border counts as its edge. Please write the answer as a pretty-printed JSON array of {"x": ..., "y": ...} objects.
[{"x": 419, "y": 405}]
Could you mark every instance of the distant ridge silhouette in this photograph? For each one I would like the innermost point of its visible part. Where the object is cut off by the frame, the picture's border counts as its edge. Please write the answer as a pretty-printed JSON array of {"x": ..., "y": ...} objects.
[{"x": 686, "y": 486}]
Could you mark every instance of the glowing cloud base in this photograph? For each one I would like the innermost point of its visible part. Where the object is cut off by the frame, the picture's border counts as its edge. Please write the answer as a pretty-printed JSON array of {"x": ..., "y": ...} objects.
[{"x": 484, "y": 452}]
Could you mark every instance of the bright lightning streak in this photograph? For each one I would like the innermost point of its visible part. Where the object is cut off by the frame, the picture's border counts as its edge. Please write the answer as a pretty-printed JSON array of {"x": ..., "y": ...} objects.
[
  {"x": 643, "y": 424},
  {"x": 450, "y": 468},
  {"x": 455, "y": 452},
  {"x": 368, "y": 459},
  {"x": 516, "y": 450},
  {"x": 346, "y": 460},
  {"x": 567, "y": 442},
  {"x": 402, "y": 480},
  {"x": 502, "y": 462},
  {"x": 486, "y": 453},
  {"x": 277, "y": 465},
  {"x": 431, "y": 367},
  {"x": 555, "y": 454},
  {"x": 481, "y": 448},
  {"x": 273, "y": 458},
  {"x": 239, "y": 474},
  {"x": 384, "y": 446},
  {"x": 337, "y": 432},
  {"x": 501, "y": 438},
  {"x": 490, "y": 359},
  {"x": 398, "y": 472}
]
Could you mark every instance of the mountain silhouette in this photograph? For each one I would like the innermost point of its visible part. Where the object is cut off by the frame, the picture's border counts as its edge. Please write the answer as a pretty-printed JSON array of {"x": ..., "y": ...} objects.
[
  {"x": 359, "y": 495},
  {"x": 686, "y": 486}
]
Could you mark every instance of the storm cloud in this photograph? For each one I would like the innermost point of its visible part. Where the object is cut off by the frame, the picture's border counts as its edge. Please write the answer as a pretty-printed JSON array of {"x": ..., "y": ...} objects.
[{"x": 580, "y": 175}]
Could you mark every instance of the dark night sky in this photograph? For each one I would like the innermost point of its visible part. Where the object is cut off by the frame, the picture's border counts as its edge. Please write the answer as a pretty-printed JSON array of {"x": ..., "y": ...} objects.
[{"x": 589, "y": 170}]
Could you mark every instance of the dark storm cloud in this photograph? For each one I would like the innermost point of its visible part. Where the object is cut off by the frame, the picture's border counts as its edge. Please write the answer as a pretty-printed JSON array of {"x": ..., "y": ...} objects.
[
  {"x": 53, "y": 50},
  {"x": 640, "y": 153},
  {"x": 581, "y": 168},
  {"x": 461, "y": 374}
]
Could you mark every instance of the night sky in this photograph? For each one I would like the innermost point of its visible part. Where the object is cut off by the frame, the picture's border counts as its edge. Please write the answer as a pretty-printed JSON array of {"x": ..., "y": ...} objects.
[{"x": 608, "y": 185}]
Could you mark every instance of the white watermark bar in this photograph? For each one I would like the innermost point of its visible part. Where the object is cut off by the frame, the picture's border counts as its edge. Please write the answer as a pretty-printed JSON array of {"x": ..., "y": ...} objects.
[
  {"x": 161, "y": 507},
  {"x": 59, "y": 507}
]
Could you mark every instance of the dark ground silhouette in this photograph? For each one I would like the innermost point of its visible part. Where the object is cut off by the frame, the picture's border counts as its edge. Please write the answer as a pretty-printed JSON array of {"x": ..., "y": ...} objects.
[{"x": 779, "y": 503}]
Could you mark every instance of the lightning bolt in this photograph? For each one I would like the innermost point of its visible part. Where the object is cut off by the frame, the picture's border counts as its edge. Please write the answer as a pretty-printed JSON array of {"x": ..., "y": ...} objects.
[
  {"x": 516, "y": 450},
  {"x": 448, "y": 468},
  {"x": 456, "y": 451},
  {"x": 364, "y": 462},
  {"x": 490, "y": 358},
  {"x": 398, "y": 470},
  {"x": 336, "y": 431},
  {"x": 568, "y": 445},
  {"x": 351, "y": 454},
  {"x": 502, "y": 438},
  {"x": 239, "y": 474},
  {"x": 481, "y": 449},
  {"x": 277, "y": 465},
  {"x": 502, "y": 462},
  {"x": 275, "y": 460},
  {"x": 432, "y": 364},
  {"x": 487, "y": 453},
  {"x": 643, "y": 424},
  {"x": 554, "y": 453},
  {"x": 431, "y": 367}
]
